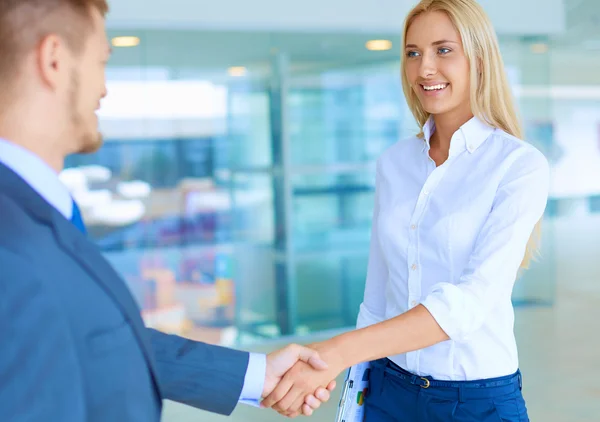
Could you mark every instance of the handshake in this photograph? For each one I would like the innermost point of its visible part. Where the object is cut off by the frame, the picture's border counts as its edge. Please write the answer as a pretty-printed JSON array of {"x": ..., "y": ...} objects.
[{"x": 299, "y": 379}]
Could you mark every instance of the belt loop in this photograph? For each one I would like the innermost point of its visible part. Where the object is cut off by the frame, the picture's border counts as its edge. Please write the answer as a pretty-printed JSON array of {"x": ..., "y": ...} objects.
[
  {"x": 520, "y": 377},
  {"x": 413, "y": 380},
  {"x": 461, "y": 396}
]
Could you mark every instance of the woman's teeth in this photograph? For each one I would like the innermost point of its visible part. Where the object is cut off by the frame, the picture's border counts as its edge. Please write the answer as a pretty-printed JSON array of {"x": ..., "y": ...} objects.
[{"x": 434, "y": 87}]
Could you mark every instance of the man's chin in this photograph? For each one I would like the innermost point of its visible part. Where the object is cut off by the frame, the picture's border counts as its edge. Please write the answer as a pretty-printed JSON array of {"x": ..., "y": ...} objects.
[{"x": 91, "y": 144}]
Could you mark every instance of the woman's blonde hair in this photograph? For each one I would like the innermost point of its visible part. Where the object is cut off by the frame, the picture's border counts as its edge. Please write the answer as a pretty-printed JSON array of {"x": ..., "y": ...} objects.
[{"x": 491, "y": 97}]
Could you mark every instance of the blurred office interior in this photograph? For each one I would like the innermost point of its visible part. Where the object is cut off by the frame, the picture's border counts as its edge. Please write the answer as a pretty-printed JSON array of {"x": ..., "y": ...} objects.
[{"x": 234, "y": 191}]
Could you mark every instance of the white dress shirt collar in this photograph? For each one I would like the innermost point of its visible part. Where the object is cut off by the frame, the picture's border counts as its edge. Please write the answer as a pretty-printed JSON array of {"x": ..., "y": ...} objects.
[
  {"x": 469, "y": 136},
  {"x": 37, "y": 174}
]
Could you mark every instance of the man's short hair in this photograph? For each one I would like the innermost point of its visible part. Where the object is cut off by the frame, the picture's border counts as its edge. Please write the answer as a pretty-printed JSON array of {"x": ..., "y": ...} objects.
[{"x": 24, "y": 23}]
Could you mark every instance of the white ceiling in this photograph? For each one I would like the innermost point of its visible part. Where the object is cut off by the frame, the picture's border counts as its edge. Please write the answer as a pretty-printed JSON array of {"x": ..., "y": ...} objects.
[
  {"x": 508, "y": 16},
  {"x": 573, "y": 58}
]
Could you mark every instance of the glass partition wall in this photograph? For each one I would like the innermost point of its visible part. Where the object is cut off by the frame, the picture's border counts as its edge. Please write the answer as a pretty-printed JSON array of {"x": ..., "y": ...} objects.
[{"x": 235, "y": 189}]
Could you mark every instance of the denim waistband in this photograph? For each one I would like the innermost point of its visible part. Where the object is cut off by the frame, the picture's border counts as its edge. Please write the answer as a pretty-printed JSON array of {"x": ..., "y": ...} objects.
[{"x": 459, "y": 390}]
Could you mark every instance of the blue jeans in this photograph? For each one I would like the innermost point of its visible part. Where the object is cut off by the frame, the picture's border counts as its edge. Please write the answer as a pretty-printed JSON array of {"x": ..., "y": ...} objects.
[{"x": 396, "y": 395}]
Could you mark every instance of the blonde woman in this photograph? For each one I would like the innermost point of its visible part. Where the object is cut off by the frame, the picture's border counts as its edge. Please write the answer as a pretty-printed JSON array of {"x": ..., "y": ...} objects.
[{"x": 456, "y": 208}]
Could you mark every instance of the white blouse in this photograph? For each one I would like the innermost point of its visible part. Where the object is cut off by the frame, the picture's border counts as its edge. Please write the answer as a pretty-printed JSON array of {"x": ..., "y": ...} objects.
[{"x": 452, "y": 238}]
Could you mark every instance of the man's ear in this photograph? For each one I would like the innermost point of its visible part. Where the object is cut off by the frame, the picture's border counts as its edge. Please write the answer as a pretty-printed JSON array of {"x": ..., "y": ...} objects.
[{"x": 51, "y": 54}]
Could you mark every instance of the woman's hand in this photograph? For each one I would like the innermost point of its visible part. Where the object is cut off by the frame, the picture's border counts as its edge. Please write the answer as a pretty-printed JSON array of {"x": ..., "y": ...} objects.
[{"x": 301, "y": 382}]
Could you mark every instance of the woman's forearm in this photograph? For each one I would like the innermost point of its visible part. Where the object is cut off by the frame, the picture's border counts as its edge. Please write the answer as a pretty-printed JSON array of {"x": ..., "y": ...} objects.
[
  {"x": 413, "y": 330},
  {"x": 410, "y": 331}
]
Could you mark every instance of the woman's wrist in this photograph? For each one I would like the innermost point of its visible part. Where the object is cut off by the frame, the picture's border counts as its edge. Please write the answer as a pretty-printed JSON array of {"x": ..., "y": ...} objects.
[
  {"x": 344, "y": 350},
  {"x": 331, "y": 351}
]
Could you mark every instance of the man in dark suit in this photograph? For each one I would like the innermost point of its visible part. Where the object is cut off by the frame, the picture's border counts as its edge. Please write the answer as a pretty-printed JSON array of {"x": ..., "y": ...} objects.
[{"x": 74, "y": 347}]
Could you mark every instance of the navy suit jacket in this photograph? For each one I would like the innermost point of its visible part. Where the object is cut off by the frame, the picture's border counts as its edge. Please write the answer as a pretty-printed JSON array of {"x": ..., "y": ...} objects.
[{"x": 74, "y": 346}]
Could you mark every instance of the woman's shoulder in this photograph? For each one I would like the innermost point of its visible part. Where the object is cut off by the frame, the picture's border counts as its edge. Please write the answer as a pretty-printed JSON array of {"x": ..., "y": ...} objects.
[
  {"x": 400, "y": 150},
  {"x": 516, "y": 150},
  {"x": 517, "y": 155}
]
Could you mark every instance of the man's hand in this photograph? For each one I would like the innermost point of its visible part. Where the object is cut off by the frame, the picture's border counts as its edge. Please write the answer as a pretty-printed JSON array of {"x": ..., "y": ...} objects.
[
  {"x": 280, "y": 362},
  {"x": 295, "y": 390}
]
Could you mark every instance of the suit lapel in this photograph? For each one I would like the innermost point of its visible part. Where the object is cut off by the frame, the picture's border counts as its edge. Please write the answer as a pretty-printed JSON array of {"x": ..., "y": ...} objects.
[
  {"x": 84, "y": 252},
  {"x": 90, "y": 258}
]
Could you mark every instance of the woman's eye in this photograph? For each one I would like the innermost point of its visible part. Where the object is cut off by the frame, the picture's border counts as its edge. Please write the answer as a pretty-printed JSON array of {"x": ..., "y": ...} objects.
[
  {"x": 412, "y": 54},
  {"x": 444, "y": 50}
]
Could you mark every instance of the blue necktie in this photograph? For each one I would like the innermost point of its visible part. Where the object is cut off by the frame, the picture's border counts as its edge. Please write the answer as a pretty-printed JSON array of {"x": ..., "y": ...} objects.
[{"x": 76, "y": 218}]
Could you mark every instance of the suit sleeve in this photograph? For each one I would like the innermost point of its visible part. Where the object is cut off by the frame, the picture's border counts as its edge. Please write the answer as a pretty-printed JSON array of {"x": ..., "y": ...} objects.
[
  {"x": 197, "y": 374},
  {"x": 40, "y": 378}
]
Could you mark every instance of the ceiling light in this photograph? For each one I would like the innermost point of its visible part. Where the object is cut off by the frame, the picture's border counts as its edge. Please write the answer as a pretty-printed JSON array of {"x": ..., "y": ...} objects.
[
  {"x": 125, "y": 41},
  {"x": 539, "y": 48},
  {"x": 378, "y": 45},
  {"x": 237, "y": 71}
]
